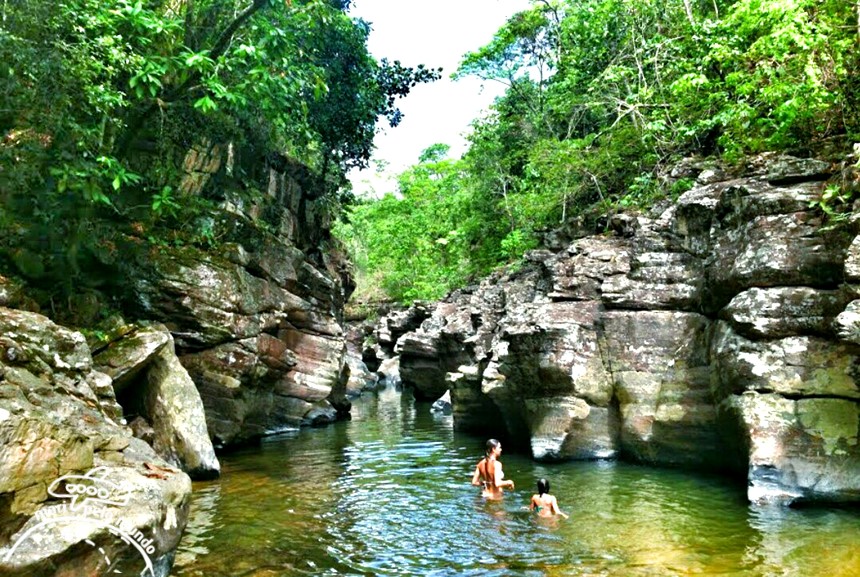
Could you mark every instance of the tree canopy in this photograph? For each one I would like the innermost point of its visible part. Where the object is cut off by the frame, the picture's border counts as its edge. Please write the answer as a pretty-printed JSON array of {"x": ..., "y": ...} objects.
[
  {"x": 101, "y": 102},
  {"x": 602, "y": 96}
]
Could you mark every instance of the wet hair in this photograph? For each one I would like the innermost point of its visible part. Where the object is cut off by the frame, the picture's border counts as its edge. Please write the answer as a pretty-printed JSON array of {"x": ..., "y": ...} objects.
[
  {"x": 492, "y": 444},
  {"x": 542, "y": 486}
]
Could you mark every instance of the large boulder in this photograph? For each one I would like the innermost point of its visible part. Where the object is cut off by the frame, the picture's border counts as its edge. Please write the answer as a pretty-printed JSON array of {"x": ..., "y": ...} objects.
[
  {"x": 125, "y": 358},
  {"x": 175, "y": 411},
  {"x": 389, "y": 373},
  {"x": 158, "y": 393},
  {"x": 54, "y": 426},
  {"x": 395, "y": 324}
]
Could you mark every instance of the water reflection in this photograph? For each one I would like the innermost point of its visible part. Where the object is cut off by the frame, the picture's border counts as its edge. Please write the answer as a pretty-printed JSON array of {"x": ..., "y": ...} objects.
[
  {"x": 202, "y": 524},
  {"x": 825, "y": 543},
  {"x": 388, "y": 493}
]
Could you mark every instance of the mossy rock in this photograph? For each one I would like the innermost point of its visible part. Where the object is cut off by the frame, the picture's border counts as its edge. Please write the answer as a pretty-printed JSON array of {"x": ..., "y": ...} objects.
[{"x": 29, "y": 264}]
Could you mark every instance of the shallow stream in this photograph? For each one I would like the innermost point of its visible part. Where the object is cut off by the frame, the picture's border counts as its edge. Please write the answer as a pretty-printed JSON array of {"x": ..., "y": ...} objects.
[{"x": 388, "y": 493}]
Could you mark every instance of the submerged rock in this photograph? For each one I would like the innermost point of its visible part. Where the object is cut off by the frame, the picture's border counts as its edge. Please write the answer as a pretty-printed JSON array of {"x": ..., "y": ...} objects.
[{"x": 442, "y": 404}]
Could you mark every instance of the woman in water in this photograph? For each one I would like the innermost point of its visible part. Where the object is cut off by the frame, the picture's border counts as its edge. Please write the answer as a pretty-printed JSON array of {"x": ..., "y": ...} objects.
[
  {"x": 488, "y": 473},
  {"x": 545, "y": 504}
]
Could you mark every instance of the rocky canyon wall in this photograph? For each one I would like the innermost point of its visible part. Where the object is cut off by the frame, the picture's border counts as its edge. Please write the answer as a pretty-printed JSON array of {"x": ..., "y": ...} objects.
[
  {"x": 256, "y": 318},
  {"x": 210, "y": 346},
  {"x": 720, "y": 332}
]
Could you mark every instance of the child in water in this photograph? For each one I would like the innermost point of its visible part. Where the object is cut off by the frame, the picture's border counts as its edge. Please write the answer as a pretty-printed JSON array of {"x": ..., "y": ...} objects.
[{"x": 545, "y": 504}]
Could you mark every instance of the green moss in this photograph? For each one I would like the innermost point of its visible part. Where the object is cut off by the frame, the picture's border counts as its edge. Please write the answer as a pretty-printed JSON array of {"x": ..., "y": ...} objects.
[
  {"x": 833, "y": 420},
  {"x": 833, "y": 379},
  {"x": 29, "y": 264}
]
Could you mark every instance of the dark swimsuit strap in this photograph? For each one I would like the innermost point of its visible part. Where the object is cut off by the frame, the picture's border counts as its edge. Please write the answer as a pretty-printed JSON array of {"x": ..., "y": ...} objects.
[{"x": 485, "y": 472}]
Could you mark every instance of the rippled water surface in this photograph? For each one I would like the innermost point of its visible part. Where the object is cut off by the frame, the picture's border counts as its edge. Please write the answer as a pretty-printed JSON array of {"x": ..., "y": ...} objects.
[{"x": 388, "y": 494}]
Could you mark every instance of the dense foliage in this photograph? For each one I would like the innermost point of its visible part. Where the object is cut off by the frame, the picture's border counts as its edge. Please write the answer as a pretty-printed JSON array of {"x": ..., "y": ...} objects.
[
  {"x": 414, "y": 242},
  {"x": 602, "y": 96},
  {"x": 102, "y": 101}
]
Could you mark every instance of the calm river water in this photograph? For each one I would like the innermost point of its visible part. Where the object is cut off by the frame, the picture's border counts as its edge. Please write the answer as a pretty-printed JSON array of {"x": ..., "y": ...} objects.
[{"x": 388, "y": 494}]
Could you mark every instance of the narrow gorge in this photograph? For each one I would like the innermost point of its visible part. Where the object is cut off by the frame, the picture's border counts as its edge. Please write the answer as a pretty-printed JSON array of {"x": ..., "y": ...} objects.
[
  {"x": 717, "y": 333},
  {"x": 241, "y": 337}
]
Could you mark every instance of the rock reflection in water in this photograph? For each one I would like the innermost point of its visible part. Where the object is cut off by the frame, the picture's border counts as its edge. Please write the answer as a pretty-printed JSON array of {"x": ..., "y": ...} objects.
[
  {"x": 388, "y": 493},
  {"x": 826, "y": 544},
  {"x": 202, "y": 523}
]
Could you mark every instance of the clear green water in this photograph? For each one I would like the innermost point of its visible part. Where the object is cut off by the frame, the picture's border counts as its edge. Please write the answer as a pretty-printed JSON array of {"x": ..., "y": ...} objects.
[{"x": 388, "y": 494}]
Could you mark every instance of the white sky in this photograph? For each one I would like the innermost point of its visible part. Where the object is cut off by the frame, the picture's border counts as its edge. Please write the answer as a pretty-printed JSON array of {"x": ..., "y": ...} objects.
[{"x": 434, "y": 33}]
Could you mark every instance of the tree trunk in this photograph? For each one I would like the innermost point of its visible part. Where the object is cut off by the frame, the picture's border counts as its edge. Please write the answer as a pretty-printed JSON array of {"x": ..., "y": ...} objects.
[{"x": 688, "y": 8}]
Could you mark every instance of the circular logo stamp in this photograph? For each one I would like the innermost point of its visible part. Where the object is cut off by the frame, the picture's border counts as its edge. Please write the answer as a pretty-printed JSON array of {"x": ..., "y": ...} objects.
[{"x": 89, "y": 499}]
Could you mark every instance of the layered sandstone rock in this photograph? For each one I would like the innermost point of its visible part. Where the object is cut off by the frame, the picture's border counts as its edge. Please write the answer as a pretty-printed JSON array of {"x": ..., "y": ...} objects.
[
  {"x": 257, "y": 324},
  {"x": 721, "y": 334}
]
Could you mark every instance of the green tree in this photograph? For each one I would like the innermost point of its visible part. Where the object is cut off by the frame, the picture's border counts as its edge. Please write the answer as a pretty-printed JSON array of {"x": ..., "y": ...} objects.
[
  {"x": 412, "y": 242},
  {"x": 602, "y": 96},
  {"x": 102, "y": 102},
  {"x": 631, "y": 86}
]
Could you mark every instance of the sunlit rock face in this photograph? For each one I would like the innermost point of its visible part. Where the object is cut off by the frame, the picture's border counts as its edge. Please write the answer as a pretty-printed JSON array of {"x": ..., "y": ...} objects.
[
  {"x": 720, "y": 333},
  {"x": 766, "y": 313},
  {"x": 796, "y": 400},
  {"x": 269, "y": 382},
  {"x": 257, "y": 323},
  {"x": 59, "y": 417},
  {"x": 766, "y": 236},
  {"x": 661, "y": 374}
]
